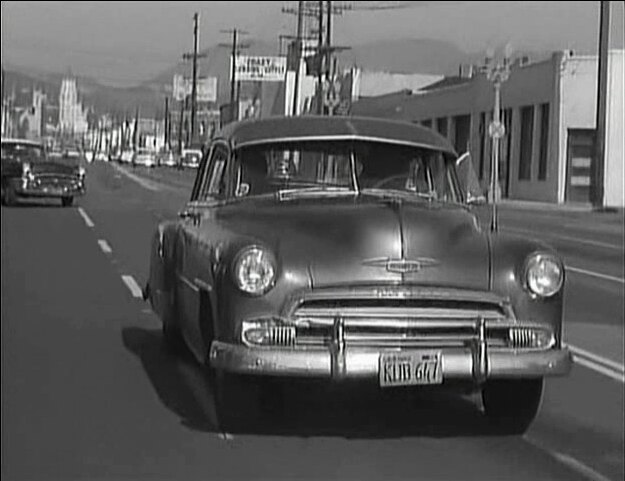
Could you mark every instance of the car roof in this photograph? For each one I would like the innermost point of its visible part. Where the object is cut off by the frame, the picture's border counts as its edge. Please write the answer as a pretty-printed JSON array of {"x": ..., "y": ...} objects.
[{"x": 310, "y": 128}]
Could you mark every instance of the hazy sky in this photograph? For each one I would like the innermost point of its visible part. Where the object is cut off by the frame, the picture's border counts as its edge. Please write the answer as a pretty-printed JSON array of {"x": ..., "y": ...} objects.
[{"x": 132, "y": 41}]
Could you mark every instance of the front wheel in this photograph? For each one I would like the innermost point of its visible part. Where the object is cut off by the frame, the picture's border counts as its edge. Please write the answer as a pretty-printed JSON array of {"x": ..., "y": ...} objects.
[
  {"x": 67, "y": 201},
  {"x": 512, "y": 404}
]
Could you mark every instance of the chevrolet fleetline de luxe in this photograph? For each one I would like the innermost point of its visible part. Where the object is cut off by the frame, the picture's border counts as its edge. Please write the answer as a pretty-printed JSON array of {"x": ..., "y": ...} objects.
[
  {"x": 28, "y": 171},
  {"x": 346, "y": 248}
]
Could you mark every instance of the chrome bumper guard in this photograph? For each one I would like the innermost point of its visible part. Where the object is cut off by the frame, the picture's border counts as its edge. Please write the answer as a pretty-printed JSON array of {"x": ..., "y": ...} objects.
[{"x": 477, "y": 362}]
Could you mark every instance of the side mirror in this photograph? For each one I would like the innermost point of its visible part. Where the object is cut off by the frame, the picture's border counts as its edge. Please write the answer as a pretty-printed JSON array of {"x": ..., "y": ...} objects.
[{"x": 242, "y": 190}]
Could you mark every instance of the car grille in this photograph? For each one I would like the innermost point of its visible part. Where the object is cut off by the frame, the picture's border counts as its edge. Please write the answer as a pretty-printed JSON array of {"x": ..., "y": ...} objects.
[
  {"x": 390, "y": 323},
  {"x": 56, "y": 181}
]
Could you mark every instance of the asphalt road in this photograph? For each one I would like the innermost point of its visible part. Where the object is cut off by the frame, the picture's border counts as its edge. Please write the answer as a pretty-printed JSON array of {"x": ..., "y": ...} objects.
[{"x": 89, "y": 393}]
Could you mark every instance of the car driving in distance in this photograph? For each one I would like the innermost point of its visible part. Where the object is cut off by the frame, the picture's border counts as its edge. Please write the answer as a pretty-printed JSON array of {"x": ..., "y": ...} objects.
[
  {"x": 190, "y": 157},
  {"x": 347, "y": 249},
  {"x": 27, "y": 171}
]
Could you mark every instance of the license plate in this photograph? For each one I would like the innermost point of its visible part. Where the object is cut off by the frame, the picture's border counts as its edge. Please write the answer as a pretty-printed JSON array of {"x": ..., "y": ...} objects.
[{"x": 410, "y": 369}]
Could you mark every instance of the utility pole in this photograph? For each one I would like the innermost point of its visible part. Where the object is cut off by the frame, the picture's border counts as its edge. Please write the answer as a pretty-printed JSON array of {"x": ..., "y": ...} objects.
[
  {"x": 321, "y": 60},
  {"x": 497, "y": 74},
  {"x": 135, "y": 134},
  {"x": 298, "y": 46},
  {"x": 194, "y": 58},
  {"x": 3, "y": 121},
  {"x": 598, "y": 170},
  {"x": 166, "y": 125},
  {"x": 234, "y": 100}
]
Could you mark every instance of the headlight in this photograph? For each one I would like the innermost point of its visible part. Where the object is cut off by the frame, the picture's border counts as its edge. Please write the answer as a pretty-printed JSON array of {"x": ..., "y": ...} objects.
[
  {"x": 544, "y": 274},
  {"x": 254, "y": 270}
]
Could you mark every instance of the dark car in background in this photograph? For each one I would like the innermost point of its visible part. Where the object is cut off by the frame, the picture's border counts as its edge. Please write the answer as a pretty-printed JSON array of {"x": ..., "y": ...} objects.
[
  {"x": 346, "y": 249},
  {"x": 27, "y": 171},
  {"x": 191, "y": 156}
]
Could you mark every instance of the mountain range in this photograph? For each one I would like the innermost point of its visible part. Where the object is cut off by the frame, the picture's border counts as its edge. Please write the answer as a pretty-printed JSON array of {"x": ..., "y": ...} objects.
[{"x": 424, "y": 56}]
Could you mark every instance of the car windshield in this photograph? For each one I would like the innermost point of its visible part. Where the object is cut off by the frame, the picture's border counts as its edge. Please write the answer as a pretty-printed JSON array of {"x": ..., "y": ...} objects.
[
  {"x": 23, "y": 152},
  {"x": 371, "y": 168}
]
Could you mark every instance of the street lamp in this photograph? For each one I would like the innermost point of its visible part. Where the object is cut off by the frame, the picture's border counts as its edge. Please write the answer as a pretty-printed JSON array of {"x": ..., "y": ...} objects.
[{"x": 497, "y": 74}]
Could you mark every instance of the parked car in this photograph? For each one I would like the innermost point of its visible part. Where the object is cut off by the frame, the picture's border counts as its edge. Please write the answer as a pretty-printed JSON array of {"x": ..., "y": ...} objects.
[
  {"x": 345, "y": 248},
  {"x": 166, "y": 158},
  {"x": 27, "y": 171},
  {"x": 191, "y": 157},
  {"x": 126, "y": 157},
  {"x": 144, "y": 157}
]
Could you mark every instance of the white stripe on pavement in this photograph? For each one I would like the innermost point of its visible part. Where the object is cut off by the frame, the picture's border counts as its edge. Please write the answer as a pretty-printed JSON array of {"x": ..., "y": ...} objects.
[
  {"x": 106, "y": 248},
  {"x": 594, "y": 357},
  {"x": 133, "y": 286},
  {"x": 611, "y": 373},
  {"x": 574, "y": 240},
  {"x": 569, "y": 461},
  {"x": 86, "y": 218},
  {"x": 146, "y": 184},
  {"x": 596, "y": 274}
]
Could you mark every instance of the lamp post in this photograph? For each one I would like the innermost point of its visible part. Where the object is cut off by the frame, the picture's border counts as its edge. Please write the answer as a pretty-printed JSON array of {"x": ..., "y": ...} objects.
[{"x": 497, "y": 74}]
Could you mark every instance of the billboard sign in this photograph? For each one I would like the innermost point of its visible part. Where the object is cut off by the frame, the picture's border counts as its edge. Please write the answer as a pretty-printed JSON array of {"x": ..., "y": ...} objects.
[
  {"x": 260, "y": 69},
  {"x": 206, "y": 88}
]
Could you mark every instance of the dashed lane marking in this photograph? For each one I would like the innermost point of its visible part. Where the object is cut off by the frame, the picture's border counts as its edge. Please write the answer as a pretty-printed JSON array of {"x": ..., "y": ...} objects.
[
  {"x": 146, "y": 184},
  {"x": 106, "y": 248},
  {"x": 85, "y": 217},
  {"x": 132, "y": 286},
  {"x": 599, "y": 275}
]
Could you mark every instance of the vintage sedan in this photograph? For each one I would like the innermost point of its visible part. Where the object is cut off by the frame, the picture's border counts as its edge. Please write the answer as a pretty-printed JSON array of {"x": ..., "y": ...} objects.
[
  {"x": 344, "y": 248},
  {"x": 27, "y": 171}
]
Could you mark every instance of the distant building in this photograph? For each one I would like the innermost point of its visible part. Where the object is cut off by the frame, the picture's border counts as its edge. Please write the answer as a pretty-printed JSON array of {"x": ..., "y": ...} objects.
[
  {"x": 549, "y": 113},
  {"x": 72, "y": 117}
]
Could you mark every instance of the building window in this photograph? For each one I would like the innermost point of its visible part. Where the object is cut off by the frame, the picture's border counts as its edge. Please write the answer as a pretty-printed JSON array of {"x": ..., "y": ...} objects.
[
  {"x": 482, "y": 133},
  {"x": 544, "y": 142},
  {"x": 427, "y": 123},
  {"x": 462, "y": 130},
  {"x": 441, "y": 126},
  {"x": 525, "y": 159}
]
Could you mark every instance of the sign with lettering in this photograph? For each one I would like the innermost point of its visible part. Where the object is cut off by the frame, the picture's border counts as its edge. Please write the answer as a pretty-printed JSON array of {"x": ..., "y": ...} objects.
[
  {"x": 260, "y": 69},
  {"x": 206, "y": 88}
]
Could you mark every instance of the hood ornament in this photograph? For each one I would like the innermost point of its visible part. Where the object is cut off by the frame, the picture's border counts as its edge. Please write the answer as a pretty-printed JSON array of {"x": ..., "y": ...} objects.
[{"x": 402, "y": 266}]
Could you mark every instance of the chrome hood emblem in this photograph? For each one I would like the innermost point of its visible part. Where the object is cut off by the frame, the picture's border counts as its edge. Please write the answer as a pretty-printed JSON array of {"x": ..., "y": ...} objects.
[{"x": 402, "y": 266}]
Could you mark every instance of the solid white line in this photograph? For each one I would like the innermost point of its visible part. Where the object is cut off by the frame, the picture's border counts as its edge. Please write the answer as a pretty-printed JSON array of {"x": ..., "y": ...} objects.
[
  {"x": 86, "y": 218},
  {"x": 146, "y": 184},
  {"x": 617, "y": 376},
  {"x": 596, "y": 274},
  {"x": 106, "y": 248},
  {"x": 575, "y": 240},
  {"x": 133, "y": 286},
  {"x": 578, "y": 466},
  {"x": 594, "y": 357}
]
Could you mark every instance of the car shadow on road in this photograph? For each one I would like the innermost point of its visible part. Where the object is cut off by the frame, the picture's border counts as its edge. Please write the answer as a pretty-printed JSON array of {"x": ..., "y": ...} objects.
[
  {"x": 309, "y": 409},
  {"x": 34, "y": 204}
]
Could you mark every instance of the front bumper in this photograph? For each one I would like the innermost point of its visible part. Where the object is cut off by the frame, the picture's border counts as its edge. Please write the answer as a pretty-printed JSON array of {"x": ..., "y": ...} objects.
[
  {"x": 475, "y": 363},
  {"x": 68, "y": 190}
]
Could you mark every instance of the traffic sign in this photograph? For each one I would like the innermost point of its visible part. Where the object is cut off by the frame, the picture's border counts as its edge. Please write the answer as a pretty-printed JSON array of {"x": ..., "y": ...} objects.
[{"x": 496, "y": 130}]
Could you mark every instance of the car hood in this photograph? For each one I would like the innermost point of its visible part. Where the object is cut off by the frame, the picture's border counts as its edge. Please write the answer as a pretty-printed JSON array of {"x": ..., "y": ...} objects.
[{"x": 351, "y": 240}]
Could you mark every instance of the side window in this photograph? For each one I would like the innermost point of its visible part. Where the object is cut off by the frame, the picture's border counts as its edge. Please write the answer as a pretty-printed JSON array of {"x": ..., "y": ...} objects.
[
  {"x": 201, "y": 174},
  {"x": 214, "y": 184}
]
